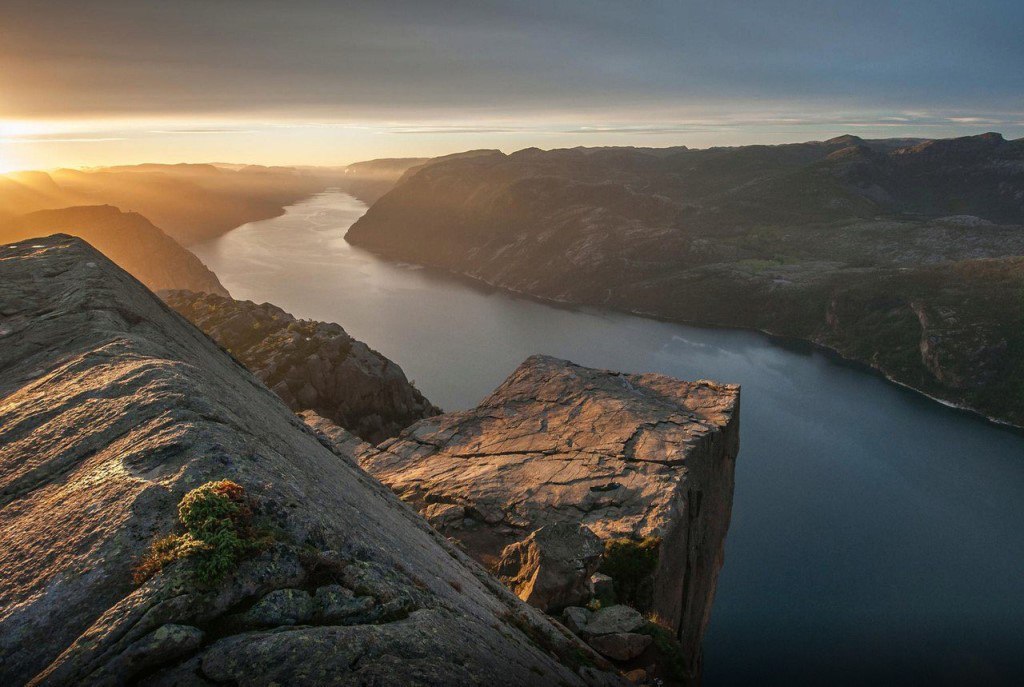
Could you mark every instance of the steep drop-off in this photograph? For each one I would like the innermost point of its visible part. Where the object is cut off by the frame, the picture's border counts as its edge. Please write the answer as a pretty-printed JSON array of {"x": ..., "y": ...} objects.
[
  {"x": 904, "y": 255},
  {"x": 112, "y": 408},
  {"x": 310, "y": 365},
  {"x": 632, "y": 457}
]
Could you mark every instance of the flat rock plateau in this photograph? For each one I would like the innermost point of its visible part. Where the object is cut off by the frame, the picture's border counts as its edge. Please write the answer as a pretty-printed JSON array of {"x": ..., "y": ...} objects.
[
  {"x": 631, "y": 457},
  {"x": 112, "y": 408}
]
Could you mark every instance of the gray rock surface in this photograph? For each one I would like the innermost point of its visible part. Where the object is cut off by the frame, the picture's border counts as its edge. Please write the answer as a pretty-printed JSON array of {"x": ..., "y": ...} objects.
[
  {"x": 112, "y": 407},
  {"x": 629, "y": 456},
  {"x": 311, "y": 365},
  {"x": 551, "y": 568},
  {"x": 614, "y": 620},
  {"x": 621, "y": 646}
]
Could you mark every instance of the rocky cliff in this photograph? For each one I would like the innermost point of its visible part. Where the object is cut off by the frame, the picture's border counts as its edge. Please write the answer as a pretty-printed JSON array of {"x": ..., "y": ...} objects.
[
  {"x": 127, "y": 238},
  {"x": 116, "y": 415},
  {"x": 904, "y": 255},
  {"x": 311, "y": 365},
  {"x": 645, "y": 462}
]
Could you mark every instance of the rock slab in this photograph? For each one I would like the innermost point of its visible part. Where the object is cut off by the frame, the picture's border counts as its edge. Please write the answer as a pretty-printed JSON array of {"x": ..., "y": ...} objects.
[{"x": 628, "y": 456}]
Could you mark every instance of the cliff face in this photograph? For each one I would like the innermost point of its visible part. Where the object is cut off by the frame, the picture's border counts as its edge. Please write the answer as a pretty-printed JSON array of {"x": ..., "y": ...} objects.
[
  {"x": 842, "y": 242},
  {"x": 112, "y": 407},
  {"x": 129, "y": 239},
  {"x": 310, "y": 365},
  {"x": 631, "y": 457}
]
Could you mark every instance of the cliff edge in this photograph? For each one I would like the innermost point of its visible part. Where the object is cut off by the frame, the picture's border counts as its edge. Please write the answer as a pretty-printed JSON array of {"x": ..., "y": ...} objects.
[
  {"x": 112, "y": 409},
  {"x": 645, "y": 462}
]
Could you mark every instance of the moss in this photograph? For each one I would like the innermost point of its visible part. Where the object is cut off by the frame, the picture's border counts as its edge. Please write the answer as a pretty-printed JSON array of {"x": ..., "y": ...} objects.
[
  {"x": 669, "y": 649},
  {"x": 217, "y": 519},
  {"x": 631, "y": 564}
]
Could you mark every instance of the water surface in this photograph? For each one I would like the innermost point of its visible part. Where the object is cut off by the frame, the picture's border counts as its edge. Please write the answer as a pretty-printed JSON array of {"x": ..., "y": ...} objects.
[{"x": 877, "y": 536}]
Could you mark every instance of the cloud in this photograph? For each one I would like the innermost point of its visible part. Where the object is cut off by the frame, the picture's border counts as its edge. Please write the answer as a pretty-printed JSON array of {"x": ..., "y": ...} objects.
[{"x": 317, "y": 59}]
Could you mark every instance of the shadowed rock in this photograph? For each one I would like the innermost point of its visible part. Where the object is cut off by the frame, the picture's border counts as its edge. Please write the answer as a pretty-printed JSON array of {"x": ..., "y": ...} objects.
[{"x": 311, "y": 365}]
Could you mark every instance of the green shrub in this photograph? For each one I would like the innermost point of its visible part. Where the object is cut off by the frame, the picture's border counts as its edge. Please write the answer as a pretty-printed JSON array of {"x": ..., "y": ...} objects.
[
  {"x": 218, "y": 533},
  {"x": 669, "y": 649},
  {"x": 631, "y": 564}
]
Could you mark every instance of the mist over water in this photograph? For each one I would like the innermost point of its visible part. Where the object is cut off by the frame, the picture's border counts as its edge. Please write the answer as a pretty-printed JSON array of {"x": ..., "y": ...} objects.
[{"x": 876, "y": 536}]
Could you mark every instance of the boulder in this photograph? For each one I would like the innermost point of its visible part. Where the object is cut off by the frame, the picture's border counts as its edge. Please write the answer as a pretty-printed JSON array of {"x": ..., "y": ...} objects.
[
  {"x": 614, "y": 620},
  {"x": 621, "y": 646},
  {"x": 576, "y": 618},
  {"x": 551, "y": 568},
  {"x": 602, "y": 586}
]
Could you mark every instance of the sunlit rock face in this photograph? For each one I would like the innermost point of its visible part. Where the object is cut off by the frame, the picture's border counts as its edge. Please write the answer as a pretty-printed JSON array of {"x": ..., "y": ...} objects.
[
  {"x": 112, "y": 407},
  {"x": 629, "y": 456},
  {"x": 311, "y": 365}
]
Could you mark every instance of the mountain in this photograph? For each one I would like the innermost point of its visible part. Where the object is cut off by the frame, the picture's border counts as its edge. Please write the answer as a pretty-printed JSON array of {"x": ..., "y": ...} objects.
[
  {"x": 371, "y": 179},
  {"x": 167, "y": 520},
  {"x": 127, "y": 238},
  {"x": 903, "y": 255},
  {"x": 311, "y": 365},
  {"x": 192, "y": 203}
]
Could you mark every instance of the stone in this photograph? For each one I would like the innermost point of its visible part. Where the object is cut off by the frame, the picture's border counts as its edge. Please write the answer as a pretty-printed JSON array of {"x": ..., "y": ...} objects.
[
  {"x": 444, "y": 515},
  {"x": 602, "y": 586},
  {"x": 637, "y": 676},
  {"x": 631, "y": 457},
  {"x": 576, "y": 618},
  {"x": 132, "y": 408},
  {"x": 621, "y": 646},
  {"x": 337, "y": 605},
  {"x": 551, "y": 568},
  {"x": 614, "y": 619},
  {"x": 312, "y": 366},
  {"x": 281, "y": 607}
]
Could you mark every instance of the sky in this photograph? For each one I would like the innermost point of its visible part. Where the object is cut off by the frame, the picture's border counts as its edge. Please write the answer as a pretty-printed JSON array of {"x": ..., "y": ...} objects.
[{"x": 328, "y": 83}]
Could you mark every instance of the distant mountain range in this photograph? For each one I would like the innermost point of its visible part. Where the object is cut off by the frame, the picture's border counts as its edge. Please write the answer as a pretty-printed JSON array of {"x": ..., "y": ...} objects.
[
  {"x": 127, "y": 238},
  {"x": 906, "y": 255},
  {"x": 192, "y": 203}
]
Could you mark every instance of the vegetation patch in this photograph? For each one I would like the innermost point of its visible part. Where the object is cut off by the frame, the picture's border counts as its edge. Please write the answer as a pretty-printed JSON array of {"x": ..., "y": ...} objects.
[
  {"x": 631, "y": 564},
  {"x": 669, "y": 649},
  {"x": 218, "y": 521}
]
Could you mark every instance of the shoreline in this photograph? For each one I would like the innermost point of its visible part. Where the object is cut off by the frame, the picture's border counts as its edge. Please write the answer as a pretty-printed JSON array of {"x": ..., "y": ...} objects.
[{"x": 784, "y": 341}]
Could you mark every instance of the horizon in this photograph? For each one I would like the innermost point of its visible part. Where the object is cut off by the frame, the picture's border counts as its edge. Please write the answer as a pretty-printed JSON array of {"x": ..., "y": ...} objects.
[
  {"x": 320, "y": 84},
  {"x": 12, "y": 171}
]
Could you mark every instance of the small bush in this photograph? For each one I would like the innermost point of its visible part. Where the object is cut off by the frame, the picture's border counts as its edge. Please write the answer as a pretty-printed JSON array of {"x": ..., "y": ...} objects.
[
  {"x": 631, "y": 564},
  {"x": 218, "y": 526}
]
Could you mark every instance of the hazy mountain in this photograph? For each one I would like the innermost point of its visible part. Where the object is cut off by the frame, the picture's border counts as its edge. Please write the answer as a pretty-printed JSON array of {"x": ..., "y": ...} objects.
[
  {"x": 127, "y": 238},
  {"x": 190, "y": 202},
  {"x": 901, "y": 254}
]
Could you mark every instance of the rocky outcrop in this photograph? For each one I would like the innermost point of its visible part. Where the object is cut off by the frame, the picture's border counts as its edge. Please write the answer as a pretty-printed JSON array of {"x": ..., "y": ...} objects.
[
  {"x": 311, "y": 365},
  {"x": 551, "y": 568},
  {"x": 762, "y": 237},
  {"x": 112, "y": 407},
  {"x": 127, "y": 238},
  {"x": 640, "y": 458}
]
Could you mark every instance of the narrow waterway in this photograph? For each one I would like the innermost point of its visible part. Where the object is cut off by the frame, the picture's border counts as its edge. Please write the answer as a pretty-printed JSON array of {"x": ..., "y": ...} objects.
[{"x": 877, "y": 537}]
